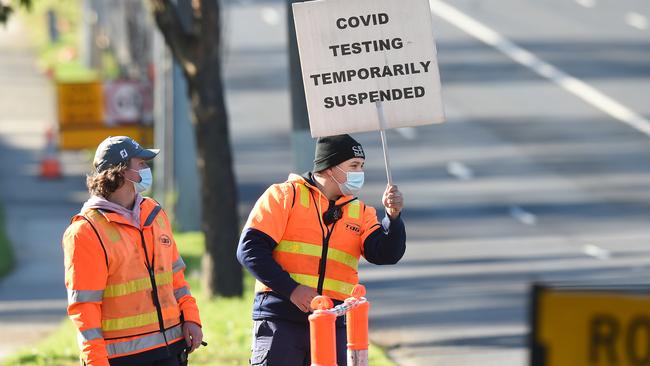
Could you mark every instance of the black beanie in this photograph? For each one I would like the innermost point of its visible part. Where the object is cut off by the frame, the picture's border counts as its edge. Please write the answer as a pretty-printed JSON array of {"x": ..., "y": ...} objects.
[{"x": 333, "y": 150}]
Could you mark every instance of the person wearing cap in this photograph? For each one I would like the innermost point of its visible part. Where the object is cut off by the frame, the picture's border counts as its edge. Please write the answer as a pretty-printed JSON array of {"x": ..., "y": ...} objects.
[
  {"x": 127, "y": 294},
  {"x": 304, "y": 237}
]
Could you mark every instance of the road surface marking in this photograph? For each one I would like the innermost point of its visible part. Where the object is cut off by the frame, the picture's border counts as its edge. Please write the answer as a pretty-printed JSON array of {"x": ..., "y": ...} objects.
[
  {"x": 636, "y": 20},
  {"x": 270, "y": 16},
  {"x": 460, "y": 171},
  {"x": 408, "y": 133},
  {"x": 523, "y": 216},
  {"x": 569, "y": 83},
  {"x": 586, "y": 3},
  {"x": 596, "y": 252}
]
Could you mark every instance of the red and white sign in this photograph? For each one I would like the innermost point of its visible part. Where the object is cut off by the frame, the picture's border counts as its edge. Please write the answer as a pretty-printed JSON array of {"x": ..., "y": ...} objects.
[{"x": 127, "y": 102}]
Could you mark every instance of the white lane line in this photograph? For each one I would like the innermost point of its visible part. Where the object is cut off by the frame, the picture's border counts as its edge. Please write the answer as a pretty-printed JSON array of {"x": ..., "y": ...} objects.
[
  {"x": 586, "y": 3},
  {"x": 408, "y": 133},
  {"x": 569, "y": 83},
  {"x": 460, "y": 171},
  {"x": 270, "y": 16},
  {"x": 636, "y": 20},
  {"x": 29, "y": 305},
  {"x": 596, "y": 252},
  {"x": 523, "y": 216}
]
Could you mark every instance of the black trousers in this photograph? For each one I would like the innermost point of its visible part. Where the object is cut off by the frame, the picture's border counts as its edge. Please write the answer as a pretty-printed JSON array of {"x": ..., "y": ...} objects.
[
  {"x": 164, "y": 356},
  {"x": 169, "y": 361},
  {"x": 284, "y": 343}
]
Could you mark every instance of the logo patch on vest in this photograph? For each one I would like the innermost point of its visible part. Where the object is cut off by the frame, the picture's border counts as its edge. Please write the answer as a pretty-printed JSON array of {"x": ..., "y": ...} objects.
[
  {"x": 165, "y": 240},
  {"x": 354, "y": 228}
]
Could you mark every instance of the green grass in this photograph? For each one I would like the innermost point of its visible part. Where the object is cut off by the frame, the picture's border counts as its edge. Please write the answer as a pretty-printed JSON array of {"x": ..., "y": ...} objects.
[
  {"x": 58, "y": 349},
  {"x": 6, "y": 253},
  {"x": 226, "y": 324}
]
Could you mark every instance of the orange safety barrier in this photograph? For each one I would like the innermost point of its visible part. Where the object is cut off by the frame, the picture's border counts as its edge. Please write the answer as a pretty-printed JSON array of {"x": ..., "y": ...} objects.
[
  {"x": 323, "y": 332},
  {"x": 357, "y": 328}
]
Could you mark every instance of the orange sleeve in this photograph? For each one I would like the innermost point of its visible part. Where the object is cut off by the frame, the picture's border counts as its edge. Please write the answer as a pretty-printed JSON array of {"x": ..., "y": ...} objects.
[
  {"x": 186, "y": 302},
  {"x": 369, "y": 223},
  {"x": 271, "y": 211},
  {"x": 85, "y": 280}
]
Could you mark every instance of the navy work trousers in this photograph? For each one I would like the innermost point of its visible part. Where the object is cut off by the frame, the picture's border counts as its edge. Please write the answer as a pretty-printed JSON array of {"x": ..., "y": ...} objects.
[{"x": 284, "y": 343}]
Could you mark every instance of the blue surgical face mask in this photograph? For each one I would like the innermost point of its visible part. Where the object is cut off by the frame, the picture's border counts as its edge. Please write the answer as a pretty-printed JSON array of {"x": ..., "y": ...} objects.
[
  {"x": 145, "y": 181},
  {"x": 353, "y": 183}
]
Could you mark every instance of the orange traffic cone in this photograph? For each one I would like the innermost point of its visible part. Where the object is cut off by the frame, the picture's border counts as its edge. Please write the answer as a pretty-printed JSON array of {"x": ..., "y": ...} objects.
[{"x": 50, "y": 165}]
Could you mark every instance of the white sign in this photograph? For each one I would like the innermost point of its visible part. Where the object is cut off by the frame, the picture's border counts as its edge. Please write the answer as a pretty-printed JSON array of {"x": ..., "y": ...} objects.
[
  {"x": 127, "y": 102},
  {"x": 355, "y": 53}
]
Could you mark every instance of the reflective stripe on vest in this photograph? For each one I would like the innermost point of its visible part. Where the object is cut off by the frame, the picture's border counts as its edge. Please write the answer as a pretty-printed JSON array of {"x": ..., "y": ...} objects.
[
  {"x": 304, "y": 195},
  {"x": 75, "y": 296},
  {"x": 179, "y": 293},
  {"x": 143, "y": 343},
  {"x": 89, "y": 335},
  {"x": 136, "y": 320},
  {"x": 329, "y": 284},
  {"x": 112, "y": 233},
  {"x": 316, "y": 251},
  {"x": 137, "y": 285},
  {"x": 354, "y": 209},
  {"x": 179, "y": 265}
]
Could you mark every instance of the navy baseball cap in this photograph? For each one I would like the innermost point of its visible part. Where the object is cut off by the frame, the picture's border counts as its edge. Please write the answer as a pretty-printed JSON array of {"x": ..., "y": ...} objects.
[{"x": 119, "y": 149}]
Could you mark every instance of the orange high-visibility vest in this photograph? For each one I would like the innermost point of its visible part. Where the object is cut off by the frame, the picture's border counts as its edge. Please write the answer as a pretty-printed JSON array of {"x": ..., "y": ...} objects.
[
  {"x": 291, "y": 213},
  {"x": 139, "y": 306}
]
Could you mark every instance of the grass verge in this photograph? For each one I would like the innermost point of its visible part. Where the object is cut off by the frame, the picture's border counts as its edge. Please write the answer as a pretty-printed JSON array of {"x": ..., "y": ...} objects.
[
  {"x": 6, "y": 252},
  {"x": 226, "y": 321}
]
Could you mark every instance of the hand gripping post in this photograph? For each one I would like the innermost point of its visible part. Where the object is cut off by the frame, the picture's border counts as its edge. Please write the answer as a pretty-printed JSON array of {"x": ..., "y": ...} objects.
[
  {"x": 322, "y": 332},
  {"x": 357, "y": 327}
]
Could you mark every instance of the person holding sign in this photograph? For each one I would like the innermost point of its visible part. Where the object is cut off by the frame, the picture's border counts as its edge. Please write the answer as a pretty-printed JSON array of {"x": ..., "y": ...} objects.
[{"x": 304, "y": 237}]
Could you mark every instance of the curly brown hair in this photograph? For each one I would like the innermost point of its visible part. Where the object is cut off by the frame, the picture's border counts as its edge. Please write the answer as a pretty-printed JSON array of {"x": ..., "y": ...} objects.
[{"x": 106, "y": 182}]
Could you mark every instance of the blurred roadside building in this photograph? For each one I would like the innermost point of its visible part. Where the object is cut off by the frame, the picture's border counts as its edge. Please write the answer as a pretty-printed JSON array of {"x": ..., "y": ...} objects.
[{"x": 143, "y": 85}]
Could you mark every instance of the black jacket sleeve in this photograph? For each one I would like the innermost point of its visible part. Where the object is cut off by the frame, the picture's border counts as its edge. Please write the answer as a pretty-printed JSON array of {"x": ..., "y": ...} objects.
[
  {"x": 255, "y": 253},
  {"x": 387, "y": 244}
]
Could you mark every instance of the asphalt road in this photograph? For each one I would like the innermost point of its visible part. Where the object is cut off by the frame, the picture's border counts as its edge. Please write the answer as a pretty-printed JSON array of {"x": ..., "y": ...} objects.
[
  {"x": 32, "y": 297},
  {"x": 526, "y": 181}
]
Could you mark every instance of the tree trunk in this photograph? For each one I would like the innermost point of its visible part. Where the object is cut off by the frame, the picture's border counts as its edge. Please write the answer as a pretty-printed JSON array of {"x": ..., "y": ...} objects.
[
  {"x": 222, "y": 273},
  {"x": 198, "y": 52}
]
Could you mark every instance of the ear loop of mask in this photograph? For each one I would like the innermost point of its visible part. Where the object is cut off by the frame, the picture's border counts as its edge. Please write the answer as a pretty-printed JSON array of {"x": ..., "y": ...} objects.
[
  {"x": 337, "y": 182},
  {"x": 137, "y": 171}
]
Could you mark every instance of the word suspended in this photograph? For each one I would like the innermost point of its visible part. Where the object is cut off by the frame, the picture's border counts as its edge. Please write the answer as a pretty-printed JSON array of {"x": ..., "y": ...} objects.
[{"x": 374, "y": 96}]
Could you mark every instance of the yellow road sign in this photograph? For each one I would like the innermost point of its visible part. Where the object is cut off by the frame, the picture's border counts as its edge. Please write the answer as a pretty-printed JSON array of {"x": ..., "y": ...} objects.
[
  {"x": 77, "y": 137},
  {"x": 590, "y": 326},
  {"x": 80, "y": 103}
]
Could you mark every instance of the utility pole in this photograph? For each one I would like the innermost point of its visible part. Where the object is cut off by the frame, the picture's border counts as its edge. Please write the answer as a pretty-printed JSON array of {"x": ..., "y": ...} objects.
[
  {"x": 177, "y": 170},
  {"x": 302, "y": 144}
]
